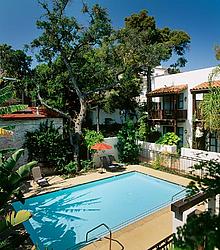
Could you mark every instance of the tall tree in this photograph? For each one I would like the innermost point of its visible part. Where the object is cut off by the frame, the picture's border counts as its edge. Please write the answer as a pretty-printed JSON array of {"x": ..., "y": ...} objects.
[
  {"x": 16, "y": 64},
  {"x": 82, "y": 51},
  {"x": 150, "y": 45},
  {"x": 96, "y": 58}
]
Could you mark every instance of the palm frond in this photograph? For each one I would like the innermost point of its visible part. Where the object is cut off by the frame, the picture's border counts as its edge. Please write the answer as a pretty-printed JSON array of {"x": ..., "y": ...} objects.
[{"x": 12, "y": 108}]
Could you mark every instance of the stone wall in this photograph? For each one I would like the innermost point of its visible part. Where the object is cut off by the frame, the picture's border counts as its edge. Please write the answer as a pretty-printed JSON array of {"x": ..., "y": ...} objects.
[{"x": 21, "y": 127}]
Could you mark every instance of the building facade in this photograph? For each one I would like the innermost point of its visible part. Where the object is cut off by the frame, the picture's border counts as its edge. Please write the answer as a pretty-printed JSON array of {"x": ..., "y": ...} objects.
[{"x": 172, "y": 106}]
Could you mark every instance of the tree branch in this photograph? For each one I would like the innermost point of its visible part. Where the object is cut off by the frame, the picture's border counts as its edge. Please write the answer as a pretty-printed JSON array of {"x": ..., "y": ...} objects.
[
  {"x": 107, "y": 87},
  {"x": 54, "y": 109}
]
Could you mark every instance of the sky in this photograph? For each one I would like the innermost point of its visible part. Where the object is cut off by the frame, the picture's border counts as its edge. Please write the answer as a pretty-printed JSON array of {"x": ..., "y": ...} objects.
[{"x": 199, "y": 18}]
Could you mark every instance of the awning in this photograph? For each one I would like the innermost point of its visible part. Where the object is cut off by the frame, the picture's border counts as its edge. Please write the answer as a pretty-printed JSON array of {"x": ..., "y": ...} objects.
[
  {"x": 204, "y": 87},
  {"x": 168, "y": 90}
]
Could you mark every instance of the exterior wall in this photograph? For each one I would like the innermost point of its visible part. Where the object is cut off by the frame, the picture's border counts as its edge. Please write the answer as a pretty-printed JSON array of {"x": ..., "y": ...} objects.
[
  {"x": 200, "y": 154},
  {"x": 115, "y": 116},
  {"x": 191, "y": 78},
  {"x": 110, "y": 141},
  {"x": 21, "y": 127}
]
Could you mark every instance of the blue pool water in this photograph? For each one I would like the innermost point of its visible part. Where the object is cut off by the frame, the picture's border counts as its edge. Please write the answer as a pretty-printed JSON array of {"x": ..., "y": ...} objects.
[{"x": 62, "y": 218}]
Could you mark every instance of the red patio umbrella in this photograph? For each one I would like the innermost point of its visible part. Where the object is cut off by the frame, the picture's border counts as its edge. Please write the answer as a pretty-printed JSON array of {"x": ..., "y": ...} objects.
[{"x": 101, "y": 146}]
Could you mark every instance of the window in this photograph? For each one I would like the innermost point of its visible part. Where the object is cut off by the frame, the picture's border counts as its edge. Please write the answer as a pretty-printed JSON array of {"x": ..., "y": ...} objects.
[
  {"x": 213, "y": 142},
  {"x": 180, "y": 101},
  {"x": 168, "y": 102},
  {"x": 167, "y": 129},
  {"x": 180, "y": 132}
]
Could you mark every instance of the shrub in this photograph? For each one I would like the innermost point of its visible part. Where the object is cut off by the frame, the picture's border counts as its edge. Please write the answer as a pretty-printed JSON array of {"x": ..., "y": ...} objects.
[
  {"x": 47, "y": 144},
  {"x": 70, "y": 168},
  {"x": 127, "y": 147},
  {"x": 92, "y": 137},
  {"x": 169, "y": 138}
]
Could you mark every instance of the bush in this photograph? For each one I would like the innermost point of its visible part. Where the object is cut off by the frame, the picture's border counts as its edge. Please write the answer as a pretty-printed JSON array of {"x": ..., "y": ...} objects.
[
  {"x": 70, "y": 168},
  {"x": 127, "y": 147},
  {"x": 169, "y": 138},
  {"x": 153, "y": 136},
  {"x": 47, "y": 145},
  {"x": 92, "y": 137}
]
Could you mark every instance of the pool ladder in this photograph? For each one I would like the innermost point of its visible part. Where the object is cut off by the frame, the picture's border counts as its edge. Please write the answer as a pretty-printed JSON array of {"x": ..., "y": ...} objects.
[{"x": 110, "y": 235}]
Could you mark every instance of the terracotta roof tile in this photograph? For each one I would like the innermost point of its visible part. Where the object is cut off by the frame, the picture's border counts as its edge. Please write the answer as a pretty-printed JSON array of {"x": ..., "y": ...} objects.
[
  {"x": 205, "y": 86},
  {"x": 29, "y": 113},
  {"x": 168, "y": 90}
]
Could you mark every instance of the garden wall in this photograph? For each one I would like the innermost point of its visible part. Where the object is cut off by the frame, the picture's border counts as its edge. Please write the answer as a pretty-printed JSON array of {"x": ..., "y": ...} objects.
[
  {"x": 189, "y": 157},
  {"x": 110, "y": 141},
  {"x": 148, "y": 149},
  {"x": 21, "y": 127}
]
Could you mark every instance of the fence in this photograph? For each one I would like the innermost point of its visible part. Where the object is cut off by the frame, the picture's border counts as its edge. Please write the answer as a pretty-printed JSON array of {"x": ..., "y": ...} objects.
[{"x": 171, "y": 161}]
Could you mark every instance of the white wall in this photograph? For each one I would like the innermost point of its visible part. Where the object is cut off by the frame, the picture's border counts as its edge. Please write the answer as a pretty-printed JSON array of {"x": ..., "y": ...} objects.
[
  {"x": 21, "y": 127},
  {"x": 115, "y": 116},
  {"x": 110, "y": 141},
  {"x": 191, "y": 78}
]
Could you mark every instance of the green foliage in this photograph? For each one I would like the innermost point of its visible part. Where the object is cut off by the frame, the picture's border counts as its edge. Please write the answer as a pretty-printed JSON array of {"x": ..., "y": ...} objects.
[
  {"x": 169, "y": 138},
  {"x": 47, "y": 145},
  {"x": 13, "y": 219},
  {"x": 11, "y": 179},
  {"x": 86, "y": 164},
  {"x": 209, "y": 180},
  {"x": 210, "y": 109},
  {"x": 16, "y": 64},
  {"x": 143, "y": 129},
  {"x": 70, "y": 168},
  {"x": 200, "y": 231},
  {"x": 91, "y": 137},
  {"x": 127, "y": 143}
]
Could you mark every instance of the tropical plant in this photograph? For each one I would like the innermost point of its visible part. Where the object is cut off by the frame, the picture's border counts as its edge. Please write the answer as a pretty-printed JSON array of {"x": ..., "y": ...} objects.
[
  {"x": 169, "y": 138},
  {"x": 127, "y": 143},
  {"x": 10, "y": 186},
  {"x": 12, "y": 179},
  {"x": 47, "y": 145},
  {"x": 210, "y": 109}
]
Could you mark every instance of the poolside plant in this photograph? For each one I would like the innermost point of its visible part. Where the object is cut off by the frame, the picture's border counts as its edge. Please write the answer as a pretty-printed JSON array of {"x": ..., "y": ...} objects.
[
  {"x": 169, "y": 138},
  {"x": 11, "y": 179},
  {"x": 127, "y": 147},
  {"x": 70, "y": 168}
]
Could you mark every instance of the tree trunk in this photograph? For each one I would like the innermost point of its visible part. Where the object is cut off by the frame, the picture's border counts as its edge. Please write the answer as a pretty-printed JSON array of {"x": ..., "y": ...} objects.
[
  {"x": 98, "y": 118},
  {"x": 78, "y": 130},
  {"x": 148, "y": 89}
]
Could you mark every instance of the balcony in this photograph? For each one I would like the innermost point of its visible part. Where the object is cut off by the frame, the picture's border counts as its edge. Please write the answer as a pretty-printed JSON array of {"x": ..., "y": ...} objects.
[{"x": 180, "y": 114}]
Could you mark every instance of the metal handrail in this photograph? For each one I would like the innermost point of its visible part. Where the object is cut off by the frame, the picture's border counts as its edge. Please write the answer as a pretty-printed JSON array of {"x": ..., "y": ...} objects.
[
  {"x": 172, "y": 199},
  {"x": 110, "y": 233},
  {"x": 163, "y": 244}
]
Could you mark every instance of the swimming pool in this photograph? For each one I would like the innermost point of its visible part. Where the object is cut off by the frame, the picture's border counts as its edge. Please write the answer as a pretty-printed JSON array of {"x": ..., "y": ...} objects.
[{"x": 62, "y": 218}]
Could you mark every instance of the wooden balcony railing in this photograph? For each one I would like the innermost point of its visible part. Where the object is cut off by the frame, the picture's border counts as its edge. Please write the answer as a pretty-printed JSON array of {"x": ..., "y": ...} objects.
[{"x": 180, "y": 114}]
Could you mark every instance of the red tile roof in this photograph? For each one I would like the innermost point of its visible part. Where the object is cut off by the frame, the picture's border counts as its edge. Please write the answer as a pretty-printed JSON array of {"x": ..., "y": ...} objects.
[
  {"x": 168, "y": 90},
  {"x": 29, "y": 113},
  {"x": 205, "y": 86}
]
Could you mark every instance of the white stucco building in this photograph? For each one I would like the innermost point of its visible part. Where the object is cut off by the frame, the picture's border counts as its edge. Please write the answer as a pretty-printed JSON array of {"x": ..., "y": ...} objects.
[{"x": 171, "y": 97}]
